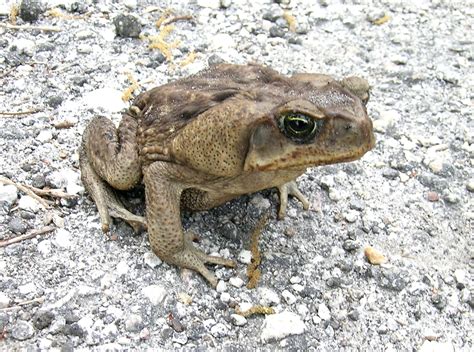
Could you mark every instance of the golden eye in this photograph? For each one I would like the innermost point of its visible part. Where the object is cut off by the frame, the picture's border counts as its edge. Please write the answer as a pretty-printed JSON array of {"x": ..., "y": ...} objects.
[{"x": 299, "y": 127}]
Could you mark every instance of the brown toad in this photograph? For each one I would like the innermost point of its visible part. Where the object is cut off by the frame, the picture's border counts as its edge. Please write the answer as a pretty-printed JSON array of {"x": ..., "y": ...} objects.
[{"x": 226, "y": 131}]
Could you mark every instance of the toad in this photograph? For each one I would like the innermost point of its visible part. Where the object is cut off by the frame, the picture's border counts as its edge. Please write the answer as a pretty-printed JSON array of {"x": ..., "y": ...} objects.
[{"x": 229, "y": 130}]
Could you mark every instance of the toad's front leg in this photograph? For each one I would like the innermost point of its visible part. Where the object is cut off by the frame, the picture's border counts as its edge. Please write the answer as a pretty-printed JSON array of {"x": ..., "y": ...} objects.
[
  {"x": 165, "y": 231},
  {"x": 290, "y": 188}
]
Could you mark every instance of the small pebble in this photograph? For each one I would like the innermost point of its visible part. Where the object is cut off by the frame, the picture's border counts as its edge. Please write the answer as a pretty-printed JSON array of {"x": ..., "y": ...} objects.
[
  {"x": 461, "y": 278},
  {"x": 22, "y": 330},
  {"x": 38, "y": 181},
  {"x": 85, "y": 323},
  {"x": 238, "y": 320},
  {"x": 17, "y": 225},
  {"x": 155, "y": 294},
  {"x": 185, "y": 298},
  {"x": 180, "y": 338},
  {"x": 122, "y": 268},
  {"x": 225, "y": 297},
  {"x": 131, "y": 4},
  {"x": 290, "y": 231},
  {"x": 236, "y": 282},
  {"x": 288, "y": 297},
  {"x": 357, "y": 204},
  {"x": 84, "y": 34},
  {"x": 228, "y": 230},
  {"x": 62, "y": 239},
  {"x": 435, "y": 346},
  {"x": 351, "y": 216},
  {"x": 152, "y": 260},
  {"x": 225, "y": 4},
  {"x": 280, "y": 325},
  {"x": 144, "y": 333},
  {"x": 8, "y": 195},
  {"x": 245, "y": 257},
  {"x": 175, "y": 323},
  {"x": 127, "y": 26},
  {"x": 268, "y": 297},
  {"x": 390, "y": 174},
  {"x": 470, "y": 185},
  {"x": 4, "y": 300},
  {"x": 134, "y": 323},
  {"x": 438, "y": 301},
  {"x": 273, "y": 14},
  {"x": 276, "y": 31},
  {"x": 84, "y": 49},
  {"x": 29, "y": 204},
  {"x": 28, "y": 288},
  {"x": 106, "y": 99},
  {"x": 295, "y": 279},
  {"x": 353, "y": 315},
  {"x": 221, "y": 286},
  {"x": 387, "y": 120},
  {"x": 374, "y": 256},
  {"x": 73, "y": 330},
  {"x": 335, "y": 194},
  {"x": 432, "y": 196},
  {"x": 30, "y": 10},
  {"x": 44, "y": 136},
  {"x": 323, "y": 312},
  {"x": 219, "y": 330},
  {"x": 350, "y": 245}
]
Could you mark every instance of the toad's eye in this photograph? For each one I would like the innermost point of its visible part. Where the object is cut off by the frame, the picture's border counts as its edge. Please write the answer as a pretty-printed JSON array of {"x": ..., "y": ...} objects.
[{"x": 299, "y": 127}]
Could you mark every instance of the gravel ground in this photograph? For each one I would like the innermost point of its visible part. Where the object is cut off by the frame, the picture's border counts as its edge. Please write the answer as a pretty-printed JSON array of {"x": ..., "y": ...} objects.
[{"x": 410, "y": 198}]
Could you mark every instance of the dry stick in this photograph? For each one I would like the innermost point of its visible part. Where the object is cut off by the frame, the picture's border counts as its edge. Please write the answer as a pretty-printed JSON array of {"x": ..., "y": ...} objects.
[
  {"x": 25, "y": 189},
  {"x": 56, "y": 193},
  {"x": 7, "y": 72},
  {"x": 24, "y": 303},
  {"x": 37, "y": 193},
  {"x": 40, "y": 28},
  {"x": 176, "y": 19},
  {"x": 16, "y": 113},
  {"x": 34, "y": 233}
]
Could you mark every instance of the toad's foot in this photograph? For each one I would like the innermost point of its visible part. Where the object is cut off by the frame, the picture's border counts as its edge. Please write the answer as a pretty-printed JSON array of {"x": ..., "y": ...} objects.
[
  {"x": 193, "y": 258},
  {"x": 290, "y": 188},
  {"x": 117, "y": 210}
]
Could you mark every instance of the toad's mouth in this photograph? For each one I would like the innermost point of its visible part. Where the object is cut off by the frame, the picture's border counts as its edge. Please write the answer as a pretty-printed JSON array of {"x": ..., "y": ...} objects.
[{"x": 301, "y": 160}]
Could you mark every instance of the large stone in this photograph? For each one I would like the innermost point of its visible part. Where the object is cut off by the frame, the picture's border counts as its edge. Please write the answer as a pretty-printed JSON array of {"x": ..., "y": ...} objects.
[{"x": 281, "y": 325}]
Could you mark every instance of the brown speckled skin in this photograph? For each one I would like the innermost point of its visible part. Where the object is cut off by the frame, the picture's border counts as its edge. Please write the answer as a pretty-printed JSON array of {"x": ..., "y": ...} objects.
[{"x": 203, "y": 140}]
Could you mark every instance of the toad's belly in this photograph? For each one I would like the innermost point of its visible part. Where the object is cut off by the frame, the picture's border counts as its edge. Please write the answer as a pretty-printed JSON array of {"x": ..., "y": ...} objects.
[{"x": 217, "y": 192}]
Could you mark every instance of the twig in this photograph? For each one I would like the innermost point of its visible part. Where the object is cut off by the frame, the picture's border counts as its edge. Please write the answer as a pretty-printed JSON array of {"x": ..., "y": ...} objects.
[
  {"x": 55, "y": 193},
  {"x": 176, "y": 19},
  {"x": 37, "y": 193},
  {"x": 7, "y": 72},
  {"x": 24, "y": 303},
  {"x": 45, "y": 203},
  {"x": 27, "y": 236},
  {"x": 255, "y": 310},
  {"x": 253, "y": 270},
  {"x": 40, "y": 28},
  {"x": 151, "y": 9},
  {"x": 16, "y": 113}
]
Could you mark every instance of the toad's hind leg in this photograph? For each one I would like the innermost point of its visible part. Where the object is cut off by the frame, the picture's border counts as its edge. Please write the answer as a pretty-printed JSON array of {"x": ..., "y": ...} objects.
[
  {"x": 109, "y": 157},
  {"x": 165, "y": 231}
]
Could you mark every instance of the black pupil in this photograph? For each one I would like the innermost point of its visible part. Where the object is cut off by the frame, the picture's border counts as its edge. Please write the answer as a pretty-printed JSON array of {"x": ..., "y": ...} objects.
[
  {"x": 300, "y": 128},
  {"x": 298, "y": 125}
]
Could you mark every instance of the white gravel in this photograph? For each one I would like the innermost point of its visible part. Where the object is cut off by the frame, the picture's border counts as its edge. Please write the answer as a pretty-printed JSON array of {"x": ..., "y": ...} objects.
[{"x": 410, "y": 198}]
